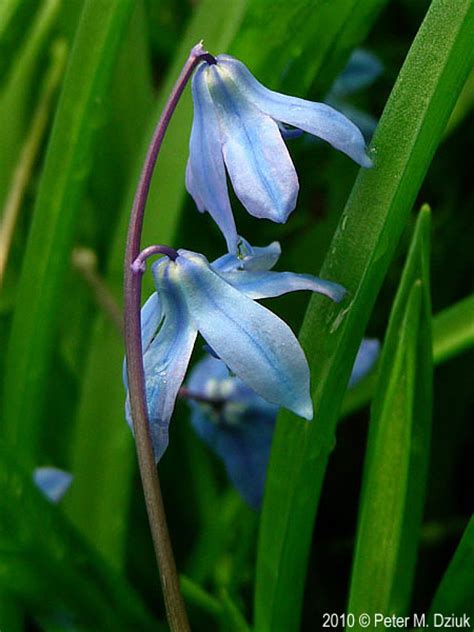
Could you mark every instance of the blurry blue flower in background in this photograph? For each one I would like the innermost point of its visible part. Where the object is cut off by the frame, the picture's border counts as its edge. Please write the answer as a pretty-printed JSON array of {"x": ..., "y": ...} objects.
[
  {"x": 237, "y": 126},
  {"x": 52, "y": 481},
  {"x": 218, "y": 300},
  {"x": 238, "y": 425},
  {"x": 366, "y": 357},
  {"x": 362, "y": 69}
]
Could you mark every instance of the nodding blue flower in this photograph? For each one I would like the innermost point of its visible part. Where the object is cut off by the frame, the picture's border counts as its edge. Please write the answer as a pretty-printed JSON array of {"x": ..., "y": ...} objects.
[
  {"x": 238, "y": 125},
  {"x": 218, "y": 300},
  {"x": 52, "y": 482},
  {"x": 237, "y": 424}
]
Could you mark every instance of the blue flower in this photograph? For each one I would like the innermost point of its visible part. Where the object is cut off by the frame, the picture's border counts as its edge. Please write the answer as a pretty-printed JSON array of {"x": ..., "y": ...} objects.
[
  {"x": 237, "y": 424},
  {"x": 237, "y": 124},
  {"x": 52, "y": 482},
  {"x": 218, "y": 300},
  {"x": 366, "y": 357}
]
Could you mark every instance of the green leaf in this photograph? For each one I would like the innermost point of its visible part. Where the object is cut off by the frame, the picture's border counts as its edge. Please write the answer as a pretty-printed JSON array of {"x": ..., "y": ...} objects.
[
  {"x": 410, "y": 129},
  {"x": 320, "y": 39},
  {"x": 15, "y": 16},
  {"x": 455, "y": 594},
  {"x": 30, "y": 150},
  {"x": 223, "y": 609},
  {"x": 453, "y": 330},
  {"x": 453, "y": 333},
  {"x": 57, "y": 207},
  {"x": 50, "y": 568},
  {"x": 17, "y": 90},
  {"x": 397, "y": 454},
  {"x": 232, "y": 619}
]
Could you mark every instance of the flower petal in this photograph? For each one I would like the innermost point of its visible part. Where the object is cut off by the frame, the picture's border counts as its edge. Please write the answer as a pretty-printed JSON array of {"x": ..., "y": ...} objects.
[
  {"x": 366, "y": 357},
  {"x": 361, "y": 70},
  {"x": 316, "y": 118},
  {"x": 244, "y": 449},
  {"x": 249, "y": 258},
  {"x": 241, "y": 434},
  {"x": 150, "y": 319},
  {"x": 52, "y": 482},
  {"x": 205, "y": 172},
  {"x": 167, "y": 358},
  {"x": 258, "y": 285},
  {"x": 254, "y": 343},
  {"x": 255, "y": 154}
]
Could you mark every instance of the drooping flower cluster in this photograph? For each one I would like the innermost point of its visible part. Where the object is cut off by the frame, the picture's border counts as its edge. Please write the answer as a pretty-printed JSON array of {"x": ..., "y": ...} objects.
[
  {"x": 218, "y": 300},
  {"x": 236, "y": 126},
  {"x": 237, "y": 129}
]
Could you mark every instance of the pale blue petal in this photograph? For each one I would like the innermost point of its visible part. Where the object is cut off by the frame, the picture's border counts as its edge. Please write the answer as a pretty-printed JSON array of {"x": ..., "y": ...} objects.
[
  {"x": 52, "y": 482},
  {"x": 256, "y": 157},
  {"x": 316, "y": 118},
  {"x": 205, "y": 173},
  {"x": 254, "y": 343},
  {"x": 362, "y": 69},
  {"x": 167, "y": 357},
  {"x": 150, "y": 320},
  {"x": 262, "y": 258},
  {"x": 249, "y": 258},
  {"x": 193, "y": 189},
  {"x": 258, "y": 285},
  {"x": 208, "y": 369},
  {"x": 367, "y": 355},
  {"x": 364, "y": 121},
  {"x": 244, "y": 448}
]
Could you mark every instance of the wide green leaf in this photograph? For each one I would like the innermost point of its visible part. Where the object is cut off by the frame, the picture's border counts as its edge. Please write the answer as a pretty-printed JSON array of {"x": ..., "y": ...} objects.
[
  {"x": 398, "y": 447},
  {"x": 410, "y": 129}
]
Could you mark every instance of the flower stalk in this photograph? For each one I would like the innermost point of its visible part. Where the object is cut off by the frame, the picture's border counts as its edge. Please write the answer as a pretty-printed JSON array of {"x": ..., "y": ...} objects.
[{"x": 175, "y": 608}]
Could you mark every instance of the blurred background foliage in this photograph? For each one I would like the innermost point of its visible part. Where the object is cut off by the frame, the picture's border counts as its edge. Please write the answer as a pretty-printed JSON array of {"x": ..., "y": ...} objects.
[{"x": 82, "y": 83}]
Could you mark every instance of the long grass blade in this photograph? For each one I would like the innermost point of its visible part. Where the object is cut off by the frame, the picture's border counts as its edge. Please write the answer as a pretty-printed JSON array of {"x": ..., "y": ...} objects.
[{"x": 398, "y": 447}]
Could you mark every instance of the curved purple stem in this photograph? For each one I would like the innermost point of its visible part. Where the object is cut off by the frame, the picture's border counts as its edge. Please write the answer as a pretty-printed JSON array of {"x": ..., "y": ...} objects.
[
  {"x": 175, "y": 608},
  {"x": 139, "y": 265}
]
